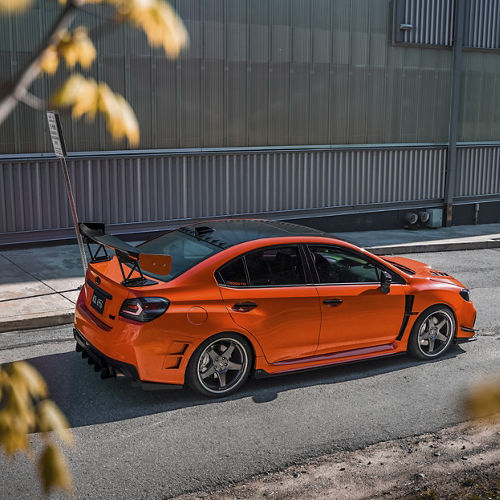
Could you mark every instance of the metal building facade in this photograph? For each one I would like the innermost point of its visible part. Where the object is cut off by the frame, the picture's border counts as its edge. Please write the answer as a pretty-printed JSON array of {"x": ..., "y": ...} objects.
[{"x": 313, "y": 78}]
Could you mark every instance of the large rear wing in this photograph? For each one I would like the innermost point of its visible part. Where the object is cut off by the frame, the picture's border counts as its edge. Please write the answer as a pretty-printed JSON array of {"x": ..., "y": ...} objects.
[{"x": 130, "y": 258}]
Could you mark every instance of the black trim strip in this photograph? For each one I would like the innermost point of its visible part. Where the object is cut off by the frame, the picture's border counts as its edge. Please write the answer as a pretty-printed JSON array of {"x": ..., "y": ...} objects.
[
  {"x": 408, "y": 312},
  {"x": 105, "y": 294},
  {"x": 467, "y": 329}
]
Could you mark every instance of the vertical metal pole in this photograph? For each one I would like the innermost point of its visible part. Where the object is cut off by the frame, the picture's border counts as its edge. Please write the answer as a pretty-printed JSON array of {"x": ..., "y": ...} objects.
[
  {"x": 451, "y": 163},
  {"x": 73, "y": 213}
]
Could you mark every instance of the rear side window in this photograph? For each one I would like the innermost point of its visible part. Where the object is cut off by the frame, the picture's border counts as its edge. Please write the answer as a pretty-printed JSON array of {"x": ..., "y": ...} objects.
[
  {"x": 233, "y": 274},
  {"x": 186, "y": 252},
  {"x": 275, "y": 266}
]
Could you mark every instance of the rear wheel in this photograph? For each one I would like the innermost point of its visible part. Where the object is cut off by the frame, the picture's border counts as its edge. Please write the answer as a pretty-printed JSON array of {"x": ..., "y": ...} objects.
[
  {"x": 220, "y": 365},
  {"x": 433, "y": 332}
]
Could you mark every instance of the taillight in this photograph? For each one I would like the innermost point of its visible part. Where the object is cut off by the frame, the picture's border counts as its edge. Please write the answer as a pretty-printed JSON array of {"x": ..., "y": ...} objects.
[{"x": 144, "y": 309}]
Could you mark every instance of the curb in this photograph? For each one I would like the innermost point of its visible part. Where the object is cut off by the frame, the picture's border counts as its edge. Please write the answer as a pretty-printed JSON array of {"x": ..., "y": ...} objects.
[
  {"x": 37, "y": 322},
  {"x": 434, "y": 247}
]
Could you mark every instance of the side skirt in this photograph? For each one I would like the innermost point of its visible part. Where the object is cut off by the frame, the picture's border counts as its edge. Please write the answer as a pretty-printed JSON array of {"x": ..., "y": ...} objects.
[{"x": 333, "y": 359}]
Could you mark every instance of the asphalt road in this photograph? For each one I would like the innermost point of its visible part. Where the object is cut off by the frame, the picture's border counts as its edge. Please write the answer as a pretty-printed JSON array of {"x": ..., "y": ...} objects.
[{"x": 136, "y": 444}]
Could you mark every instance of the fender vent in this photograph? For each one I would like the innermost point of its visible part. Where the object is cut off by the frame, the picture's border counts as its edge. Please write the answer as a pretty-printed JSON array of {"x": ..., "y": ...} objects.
[{"x": 439, "y": 273}]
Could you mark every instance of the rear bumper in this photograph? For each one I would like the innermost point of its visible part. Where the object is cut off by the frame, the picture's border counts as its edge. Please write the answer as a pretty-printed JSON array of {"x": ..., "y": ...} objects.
[
  {"x": 110, "y": 367},
  {"x": 105, "y": 364}
]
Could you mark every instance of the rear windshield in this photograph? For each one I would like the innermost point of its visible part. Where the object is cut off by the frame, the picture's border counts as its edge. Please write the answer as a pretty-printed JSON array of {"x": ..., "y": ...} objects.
[{"x": 186, "y": 251}]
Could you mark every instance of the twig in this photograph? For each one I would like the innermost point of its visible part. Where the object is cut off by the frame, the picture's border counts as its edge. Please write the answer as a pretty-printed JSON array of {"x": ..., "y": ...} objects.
[
  {"x": 12, "y": 91},
  {"x": 31, "y": 100}
]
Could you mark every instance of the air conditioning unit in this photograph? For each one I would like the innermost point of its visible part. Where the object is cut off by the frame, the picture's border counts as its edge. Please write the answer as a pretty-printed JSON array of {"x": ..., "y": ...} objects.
[{"x": 435, "y": 217}]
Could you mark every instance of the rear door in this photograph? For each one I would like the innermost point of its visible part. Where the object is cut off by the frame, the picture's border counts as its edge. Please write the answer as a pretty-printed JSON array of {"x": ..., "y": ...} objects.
[
  {"x": 355, "y": 313},
  {"x": 266, "y": 292}
]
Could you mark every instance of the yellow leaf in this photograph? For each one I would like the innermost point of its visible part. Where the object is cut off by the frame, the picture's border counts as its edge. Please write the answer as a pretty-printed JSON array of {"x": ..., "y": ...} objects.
[
  {"x": 49, "y": 61},
  {"x": 77, "y": 48},
  {"x": 67, "y": 93},
  {"x": 30, "y": 377},
  {"x": 18, "y": 400},
  {"x": 484, "y": 400},
  {"x": 159, "y": 21},
  {"x": 50, "y": 418},
  {"x": 14, "y": 5},
  {"x": 13, "y": 433},
  {"x": 79, "y": 94},
  {"x": 54, "y": 470},
  {"x": 120, "y": 117}
]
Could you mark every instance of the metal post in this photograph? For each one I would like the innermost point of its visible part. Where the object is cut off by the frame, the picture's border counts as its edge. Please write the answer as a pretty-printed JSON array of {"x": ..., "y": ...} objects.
[
  {"x": 74, "y": 214},
  {"x": 57, "y": 138},
  {"x": 451, "y": 163}
]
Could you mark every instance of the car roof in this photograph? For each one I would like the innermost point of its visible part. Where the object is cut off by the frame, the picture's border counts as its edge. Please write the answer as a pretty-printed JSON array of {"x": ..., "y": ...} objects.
[{"x": 229, "y": 232}]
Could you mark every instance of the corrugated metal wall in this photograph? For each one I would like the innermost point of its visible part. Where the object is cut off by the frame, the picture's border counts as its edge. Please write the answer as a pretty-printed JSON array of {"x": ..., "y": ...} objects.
[
  {"x": 424, "y": 22},
  {"x": 124, "y": 189},
  {"x": 430, "y": 22},
  {"x": 478, "y": 171},
  {"x": 482, "y": 24},
  {"x": 258, "y": 73}
]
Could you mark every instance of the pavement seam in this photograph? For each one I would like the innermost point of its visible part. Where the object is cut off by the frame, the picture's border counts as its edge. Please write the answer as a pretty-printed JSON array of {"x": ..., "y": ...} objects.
[
  {"x": 37, "y": 279},
  {"x": 39, "y": 295}
]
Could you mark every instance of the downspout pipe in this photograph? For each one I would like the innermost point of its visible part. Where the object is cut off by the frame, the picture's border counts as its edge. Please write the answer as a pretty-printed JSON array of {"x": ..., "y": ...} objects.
[{"x": 451, "y": 161}]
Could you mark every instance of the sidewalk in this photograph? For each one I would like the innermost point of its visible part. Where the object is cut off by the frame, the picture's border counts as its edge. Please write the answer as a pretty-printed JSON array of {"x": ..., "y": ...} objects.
[{"x": 39, "y": 286}]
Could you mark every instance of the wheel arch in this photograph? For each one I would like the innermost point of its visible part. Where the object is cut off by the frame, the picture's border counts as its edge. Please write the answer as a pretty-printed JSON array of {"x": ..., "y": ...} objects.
[
  {"x": 245, "y": 336},
  {"x": 438, "y": 304}
]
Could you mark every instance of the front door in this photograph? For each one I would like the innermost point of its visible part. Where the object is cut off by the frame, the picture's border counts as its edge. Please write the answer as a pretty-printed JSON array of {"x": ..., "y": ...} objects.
[
  {"x": 266, "y": 293},
  {"x": 355, "y": 313}
]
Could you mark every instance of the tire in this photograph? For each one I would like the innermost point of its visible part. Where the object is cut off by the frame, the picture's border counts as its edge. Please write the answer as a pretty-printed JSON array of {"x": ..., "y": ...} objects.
[
  {"x": 215, "y": 374},
  {"x": 429, "y": 340}
]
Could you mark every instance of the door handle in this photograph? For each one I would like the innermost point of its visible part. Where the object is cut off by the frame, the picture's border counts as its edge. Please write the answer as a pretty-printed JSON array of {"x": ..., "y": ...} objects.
[
  {"x": 332, "y": 302},
  {"x": 244, "y": 307}
]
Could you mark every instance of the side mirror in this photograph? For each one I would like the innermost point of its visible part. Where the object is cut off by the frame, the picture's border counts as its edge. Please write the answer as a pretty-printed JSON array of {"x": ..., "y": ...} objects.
[{"x": 385, "y": 282}]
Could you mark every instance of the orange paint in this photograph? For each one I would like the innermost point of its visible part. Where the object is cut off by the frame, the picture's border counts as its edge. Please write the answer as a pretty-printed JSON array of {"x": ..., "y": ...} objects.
[{"x": 290, "y": 328}]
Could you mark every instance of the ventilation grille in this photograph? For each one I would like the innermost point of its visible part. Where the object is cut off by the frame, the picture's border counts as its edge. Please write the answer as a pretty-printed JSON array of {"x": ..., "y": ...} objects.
[{"x": 439, "y": 273}]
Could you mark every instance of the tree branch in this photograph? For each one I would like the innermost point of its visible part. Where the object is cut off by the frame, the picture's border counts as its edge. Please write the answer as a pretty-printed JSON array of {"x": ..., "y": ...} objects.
[
  {"x": 12, "y": 91},
  {"x": 31, "y": 100}
]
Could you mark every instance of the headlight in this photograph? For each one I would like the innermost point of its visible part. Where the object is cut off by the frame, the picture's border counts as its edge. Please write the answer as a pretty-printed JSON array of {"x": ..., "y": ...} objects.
[{"x": 465, "y": 294}]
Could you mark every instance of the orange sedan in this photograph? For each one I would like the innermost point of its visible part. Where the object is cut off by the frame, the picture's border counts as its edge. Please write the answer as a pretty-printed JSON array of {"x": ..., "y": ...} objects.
[{"x": 210, "y": 304}]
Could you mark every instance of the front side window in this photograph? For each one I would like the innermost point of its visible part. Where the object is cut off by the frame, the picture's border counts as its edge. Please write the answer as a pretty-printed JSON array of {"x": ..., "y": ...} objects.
[
  {"x": 334, "y": 265},
  {"x": 275, "y": 266}
]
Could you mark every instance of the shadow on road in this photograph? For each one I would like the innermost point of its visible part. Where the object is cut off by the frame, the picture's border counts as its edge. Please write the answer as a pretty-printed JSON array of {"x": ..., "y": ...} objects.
[{"x": 86, "y": 399}]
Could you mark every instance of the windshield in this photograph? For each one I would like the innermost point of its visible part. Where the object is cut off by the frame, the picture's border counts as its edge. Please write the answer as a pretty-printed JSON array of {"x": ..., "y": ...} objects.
[{"x": 186, "y": 251}]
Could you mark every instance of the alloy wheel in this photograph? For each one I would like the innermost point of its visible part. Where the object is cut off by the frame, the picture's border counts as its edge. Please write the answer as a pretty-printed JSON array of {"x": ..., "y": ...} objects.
[
  {"x": 435, "y": 333},
  {"x": 222, "y": 365}
]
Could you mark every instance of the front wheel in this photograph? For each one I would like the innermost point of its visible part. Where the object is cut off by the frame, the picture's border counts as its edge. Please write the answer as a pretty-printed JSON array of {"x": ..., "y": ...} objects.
[
  {"x": 220, "y": 365},
  {"x": 433, "y": 332}
]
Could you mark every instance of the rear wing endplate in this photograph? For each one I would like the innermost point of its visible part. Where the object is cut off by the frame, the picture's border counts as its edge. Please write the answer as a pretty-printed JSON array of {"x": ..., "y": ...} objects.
[{"x": 127, "y": 255}]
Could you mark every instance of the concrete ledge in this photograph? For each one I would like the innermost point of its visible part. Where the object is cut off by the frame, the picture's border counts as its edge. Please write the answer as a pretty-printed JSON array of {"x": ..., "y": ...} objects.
[{"x": 28, "y": 323}]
